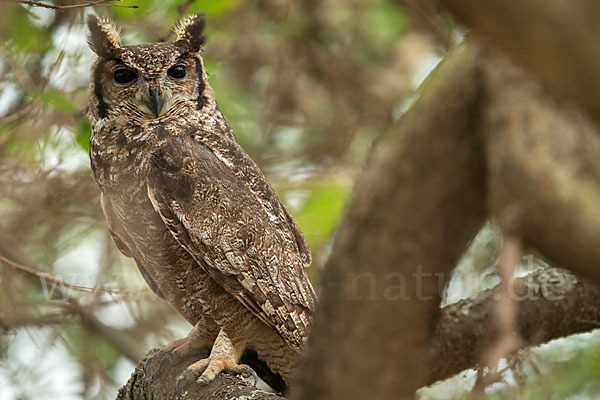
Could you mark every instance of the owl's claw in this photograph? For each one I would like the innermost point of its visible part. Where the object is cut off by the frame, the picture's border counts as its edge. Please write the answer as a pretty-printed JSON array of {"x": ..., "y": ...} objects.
[
  {"x": 179, "y": 381},
  {"x": 245, "y": 371},
  {"x": 207, "y": 369}
]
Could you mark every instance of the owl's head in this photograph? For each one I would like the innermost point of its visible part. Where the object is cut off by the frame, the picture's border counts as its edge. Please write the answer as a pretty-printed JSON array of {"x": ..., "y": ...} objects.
[{"x": 146, "y": 81}]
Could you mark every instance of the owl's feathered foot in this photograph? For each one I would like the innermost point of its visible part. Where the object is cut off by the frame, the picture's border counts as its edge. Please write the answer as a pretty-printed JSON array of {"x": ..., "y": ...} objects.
[
  {"x": 207, "y": 369},
  {"x": 194, "y": 344},
  {"x": 223, "y": 357},
  {"x": 179, "y": 350}
]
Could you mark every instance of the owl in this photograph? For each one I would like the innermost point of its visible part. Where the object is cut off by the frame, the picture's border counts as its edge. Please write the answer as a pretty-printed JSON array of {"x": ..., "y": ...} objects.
[{"x": 183, "y": 199}]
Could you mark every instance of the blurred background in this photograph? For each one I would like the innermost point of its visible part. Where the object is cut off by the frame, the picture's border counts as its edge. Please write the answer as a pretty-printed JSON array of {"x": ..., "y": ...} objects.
[{"x": 308, "y": 87}]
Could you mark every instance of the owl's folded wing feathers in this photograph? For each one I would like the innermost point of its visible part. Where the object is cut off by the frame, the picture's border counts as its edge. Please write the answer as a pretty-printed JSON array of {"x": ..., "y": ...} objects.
[{"x": 246, "y": 246}]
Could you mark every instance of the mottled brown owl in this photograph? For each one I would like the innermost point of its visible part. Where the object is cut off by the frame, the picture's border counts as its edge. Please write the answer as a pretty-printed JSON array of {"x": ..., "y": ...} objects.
[{"x": 192, "y": 209}]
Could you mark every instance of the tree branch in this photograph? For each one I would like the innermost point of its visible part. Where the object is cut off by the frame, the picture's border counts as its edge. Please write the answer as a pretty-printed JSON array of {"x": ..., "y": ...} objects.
[
  {"x": 552, "y": 303},
  {"x": 88, "y": 319},
  {"x": 155, "y": 378},
  {"x": 555, "y": 40},
  {"x": 543, "y": 168},
  {"x": 417, "y": 205},
  {"x": 43, "y": 276},
  {"x": 70, "y": 6},
  {"x": 545, "y": 299}
]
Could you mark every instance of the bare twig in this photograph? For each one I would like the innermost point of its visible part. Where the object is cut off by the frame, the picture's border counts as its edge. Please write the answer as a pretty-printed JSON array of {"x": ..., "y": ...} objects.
[
  {"x": 118, "y": 338},
  {"x": 28, "y": 84},
  {"x": 82, "y": 5},
  {"x": 18, "y": 114},
  {"x": 506, "y": 308},
  {"x": 52, "y": 279},
  {"x": 505, "y": 311},
  {"x": 120, "y": 341}
]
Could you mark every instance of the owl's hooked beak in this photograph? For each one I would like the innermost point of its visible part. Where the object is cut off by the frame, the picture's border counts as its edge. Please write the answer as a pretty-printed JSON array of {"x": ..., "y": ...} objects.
[{"x": 156, "y": 101}]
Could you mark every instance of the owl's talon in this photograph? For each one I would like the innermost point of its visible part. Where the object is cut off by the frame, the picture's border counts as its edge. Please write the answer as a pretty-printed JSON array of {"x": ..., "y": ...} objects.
[
  {"x": 178, "y": 382},
  {"x": 207, "y": 369},
  {"x": 187, "y": 376},
  {"x": 203, "y": 380},
  {"x": 245, "y": 371},
  {"x": 191, "y": 373}
]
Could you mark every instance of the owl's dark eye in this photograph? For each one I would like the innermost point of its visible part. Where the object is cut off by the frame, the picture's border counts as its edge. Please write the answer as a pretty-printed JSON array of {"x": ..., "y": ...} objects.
[
  {"x": 177, "y": 71},
  {"x": 125, "y": 75}
]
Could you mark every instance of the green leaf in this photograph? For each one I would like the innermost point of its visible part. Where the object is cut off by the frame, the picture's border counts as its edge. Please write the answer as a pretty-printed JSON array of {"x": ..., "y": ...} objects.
[
  {"x": 58, "y": 100},
  {"x": 82, "y": 134},
  {"x": 322, "y": 211},
  {"x": 213, "y": 8},
  {"x": 90, "y": 347},
  {"x": 26, "y": 35}
]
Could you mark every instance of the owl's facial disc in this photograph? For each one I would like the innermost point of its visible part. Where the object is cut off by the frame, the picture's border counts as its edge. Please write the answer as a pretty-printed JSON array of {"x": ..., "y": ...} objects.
[{"x": 150, "y": 80}]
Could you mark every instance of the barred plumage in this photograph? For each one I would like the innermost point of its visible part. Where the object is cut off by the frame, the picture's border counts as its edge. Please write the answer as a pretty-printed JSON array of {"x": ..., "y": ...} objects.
[{"x": 184, "y": 200}]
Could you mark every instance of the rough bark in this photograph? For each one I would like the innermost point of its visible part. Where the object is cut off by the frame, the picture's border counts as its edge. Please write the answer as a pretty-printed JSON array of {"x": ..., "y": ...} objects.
[
  {"x": 155, "y": 378},
  {"x": 417, "y": 205},
  {"x": 552, "y": 303}
]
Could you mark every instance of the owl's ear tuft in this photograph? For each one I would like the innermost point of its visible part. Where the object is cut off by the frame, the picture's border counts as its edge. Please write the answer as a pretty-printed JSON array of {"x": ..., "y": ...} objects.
[
  {"x": 190, "y": 33},
  {"x": 104, "y": 37}
]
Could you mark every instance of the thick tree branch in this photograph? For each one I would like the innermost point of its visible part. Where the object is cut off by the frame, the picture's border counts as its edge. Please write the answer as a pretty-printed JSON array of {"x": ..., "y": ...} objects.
[
  {"x": 552, "y": 303},
  {"x": 544, "y": 169},
  {"x": 555, "y": 40},
  {"x": 545, "y": 303},
  {"x": 70, "y": 6},
  {"x": 155, "y": 378},
  {"x": 417, "y": 205}
]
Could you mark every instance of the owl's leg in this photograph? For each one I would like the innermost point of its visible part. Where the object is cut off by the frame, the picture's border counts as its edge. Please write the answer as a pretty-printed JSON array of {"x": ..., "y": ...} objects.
[
  {"x": 198, "y": 341},
  {"x": 223, "y": 357}
]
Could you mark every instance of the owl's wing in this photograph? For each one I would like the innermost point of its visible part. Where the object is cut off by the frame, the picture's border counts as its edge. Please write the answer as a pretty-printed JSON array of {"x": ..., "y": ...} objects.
[
  {"x": 226, "y": 148},
  {"x": 247, "y": 246},
  {"x": 111, "y": 222}
]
